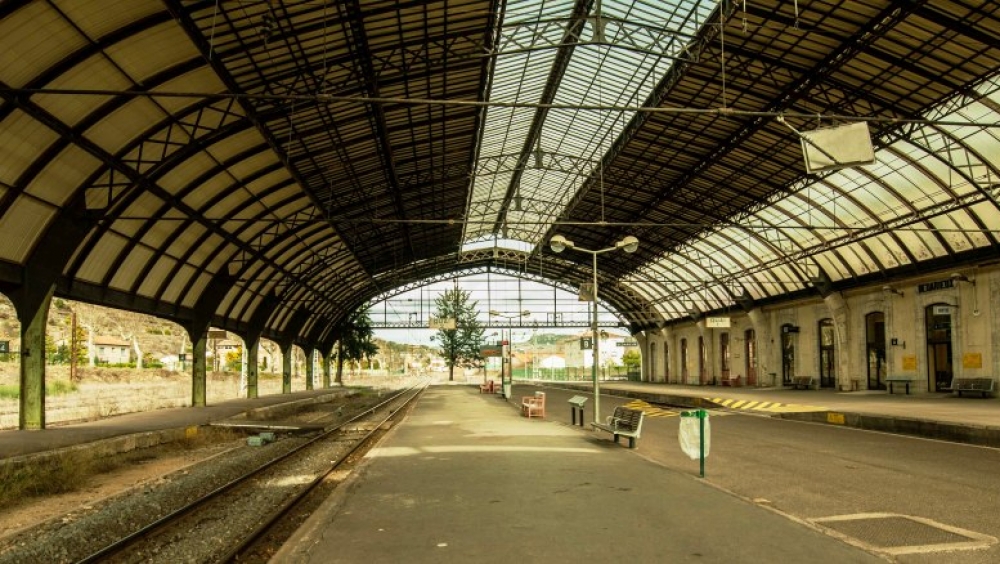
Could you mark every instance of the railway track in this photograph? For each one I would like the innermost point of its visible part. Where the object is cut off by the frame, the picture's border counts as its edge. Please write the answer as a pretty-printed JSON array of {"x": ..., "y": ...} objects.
[{"x": 247, "y": 518}]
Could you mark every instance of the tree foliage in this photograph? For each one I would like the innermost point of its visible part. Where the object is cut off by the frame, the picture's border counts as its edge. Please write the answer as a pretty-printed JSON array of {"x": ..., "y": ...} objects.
[
  {"x": 356, "y": 341},
  {"x": 632, "y": 359},
  {"x": 459, "y": 346}
]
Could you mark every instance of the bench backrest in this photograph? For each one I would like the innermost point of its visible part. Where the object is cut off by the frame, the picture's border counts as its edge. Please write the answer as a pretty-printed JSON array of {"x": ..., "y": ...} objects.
[
  {"x": 628, "y": 419},
  {"x": 973, "y": 384}
]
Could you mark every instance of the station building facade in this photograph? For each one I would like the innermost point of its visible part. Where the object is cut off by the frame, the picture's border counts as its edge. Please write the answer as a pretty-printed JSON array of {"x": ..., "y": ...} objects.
[{"x": 928, "y": 330}]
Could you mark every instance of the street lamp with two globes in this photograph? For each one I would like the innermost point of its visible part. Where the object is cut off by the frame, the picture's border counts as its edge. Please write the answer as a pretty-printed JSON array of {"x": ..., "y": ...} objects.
[{"x": 629, "y": 244}]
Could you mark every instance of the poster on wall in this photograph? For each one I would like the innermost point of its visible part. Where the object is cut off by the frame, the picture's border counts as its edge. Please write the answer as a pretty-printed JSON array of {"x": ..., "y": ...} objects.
[
  {"x": 909, "y": 362},
  {"x": 972, "y": 360}
]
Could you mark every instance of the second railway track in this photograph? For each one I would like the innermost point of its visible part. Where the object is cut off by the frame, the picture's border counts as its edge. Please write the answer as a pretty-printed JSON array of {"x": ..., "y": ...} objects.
[{"x": 244, "y": 517}]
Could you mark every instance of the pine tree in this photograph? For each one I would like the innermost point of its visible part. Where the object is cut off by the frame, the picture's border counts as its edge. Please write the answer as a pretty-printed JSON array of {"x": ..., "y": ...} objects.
[{"x": 459, "y": 346}]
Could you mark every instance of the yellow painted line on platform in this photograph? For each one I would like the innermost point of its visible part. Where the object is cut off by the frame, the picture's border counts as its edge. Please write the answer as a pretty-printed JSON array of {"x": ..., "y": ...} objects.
[
  {"x": 653, "y": 411},
  {"x": 650, "y": 410},
  {"x": 765, "y": 406}
]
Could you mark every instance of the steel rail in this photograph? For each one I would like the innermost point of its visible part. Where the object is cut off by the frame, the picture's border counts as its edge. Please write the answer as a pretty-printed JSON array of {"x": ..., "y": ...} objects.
[
  {"x": 125, "y": 541},
  {"x": 261, "y": 530}
]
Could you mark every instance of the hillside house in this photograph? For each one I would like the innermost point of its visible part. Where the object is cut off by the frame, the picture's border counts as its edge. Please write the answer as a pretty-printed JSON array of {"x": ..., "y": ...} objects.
[{"x": 109, "y": 350}]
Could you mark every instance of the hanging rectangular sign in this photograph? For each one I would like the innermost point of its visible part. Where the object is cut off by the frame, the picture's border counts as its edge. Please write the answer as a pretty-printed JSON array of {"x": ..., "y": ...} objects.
[
  {"x": 717, "y": 322},
  {"x": 490, "y": 350},
  {"x": 441, "y": 323}
]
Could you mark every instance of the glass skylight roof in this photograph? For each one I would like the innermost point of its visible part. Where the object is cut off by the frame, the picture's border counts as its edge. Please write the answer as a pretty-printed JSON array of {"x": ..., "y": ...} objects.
[
  {"x": 923, "y": 198},
  {"x": 624, "y": 50}
]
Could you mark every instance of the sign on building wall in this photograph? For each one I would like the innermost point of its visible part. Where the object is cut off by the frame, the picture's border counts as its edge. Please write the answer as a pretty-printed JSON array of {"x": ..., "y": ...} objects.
[
  {"x": 939, "y": 285},
  {"x": 942, "y": 310},
  {"x": 972, "y": 360},
  {"x": 717, "y": 322},
  {"x": 909, "y": 362}
]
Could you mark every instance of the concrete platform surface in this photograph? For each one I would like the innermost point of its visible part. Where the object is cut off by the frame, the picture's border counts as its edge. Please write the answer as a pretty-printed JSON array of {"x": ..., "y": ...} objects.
[{"x": 465, "y": 478}]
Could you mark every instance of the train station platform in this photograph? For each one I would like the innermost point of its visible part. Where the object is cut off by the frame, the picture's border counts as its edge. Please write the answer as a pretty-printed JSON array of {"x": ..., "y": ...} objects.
[
  {"x": 127, "y": 431},
  {"x": 465, "y": 478},
  {"x": 940, "y": 416}
]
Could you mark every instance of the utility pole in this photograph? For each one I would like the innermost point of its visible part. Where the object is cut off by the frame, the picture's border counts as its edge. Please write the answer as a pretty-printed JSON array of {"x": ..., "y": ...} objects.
[{"x": 72, "y": 346}]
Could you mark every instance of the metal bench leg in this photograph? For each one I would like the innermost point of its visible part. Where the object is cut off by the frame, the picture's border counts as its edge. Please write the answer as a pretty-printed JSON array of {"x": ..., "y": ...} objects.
[
  {"x": 616, "y": 439},
  {"x": 631, "y": 442}
]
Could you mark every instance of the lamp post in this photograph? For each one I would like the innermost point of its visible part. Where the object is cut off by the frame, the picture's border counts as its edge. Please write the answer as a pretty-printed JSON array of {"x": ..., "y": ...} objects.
[
  {"x": 505, "y": 363},
  {"x": 629, "y": 244}
]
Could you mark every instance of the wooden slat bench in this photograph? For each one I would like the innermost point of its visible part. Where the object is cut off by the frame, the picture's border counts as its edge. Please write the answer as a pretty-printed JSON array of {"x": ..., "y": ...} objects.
[
  {"x": 803, "y": 382},
  {"x": 624, "y": 423},
  {"x": 983, "y": 386},
  {"x": 533, "y": 406}
]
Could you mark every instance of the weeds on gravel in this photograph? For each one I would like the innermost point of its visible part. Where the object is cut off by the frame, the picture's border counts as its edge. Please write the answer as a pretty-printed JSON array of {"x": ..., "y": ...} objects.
[
  {"x": 48, "y": 477},
  {"x": 56, "y": 388}
]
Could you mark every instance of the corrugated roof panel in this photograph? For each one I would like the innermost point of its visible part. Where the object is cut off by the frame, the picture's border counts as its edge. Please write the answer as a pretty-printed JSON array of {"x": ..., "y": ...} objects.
[
  {"x": 143, "y": 55},
  {"x": 145, "y": 206},
  {"x": 236, "y": 198},
  {"x": 125, "y": 124},
  {"x": 34, "y": 39},
  {"x": 201, "y": 79},
  {"x": 196, "y": 290},
  {"x": 238, "y": 310},
  {"x": 101, "y": 258},
  {"x": 130, "y": 269},
  {"x": 128, "y": 227},
  {"x": 160, "y": 231},
  {"x": 21, "y": 227},
  {"x": 219, "y": 262},
  {"x": 201, "y": 253},
  {"x": 186, "y": 240},
  {"x": 157, "y": 276},
  {"x": 277, "y": 196},
  {"x": 98, "y": 19},
  {"x": 24, "y": 140},
  {"x": 60, "y": 177},
  {"x": 180, "y": 178},
  {"x": 94, "y": 73},
  {"x": 254, "y": 163},
  {"x": 177, "y": 284},
  {"x": 236, "y": 143}
]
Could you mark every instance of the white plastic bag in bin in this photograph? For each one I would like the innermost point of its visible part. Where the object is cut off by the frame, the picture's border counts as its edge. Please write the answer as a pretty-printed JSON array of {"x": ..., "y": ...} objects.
[{"x": 688, "y": 435}]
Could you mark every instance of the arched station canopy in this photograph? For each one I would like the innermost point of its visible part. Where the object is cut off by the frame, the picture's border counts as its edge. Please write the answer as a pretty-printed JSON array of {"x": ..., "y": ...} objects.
[{"x": 271, "y": 165}]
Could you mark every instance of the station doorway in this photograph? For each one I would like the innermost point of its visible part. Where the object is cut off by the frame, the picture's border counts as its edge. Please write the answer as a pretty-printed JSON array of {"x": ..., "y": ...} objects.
[
  {"x": 787, "y": 354},
  {"x": 827, "y": 355},
  {"x": 875, "y": 339},
  {"x": 939, "y": 361},
  {"x": 750, "y": 348}
]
